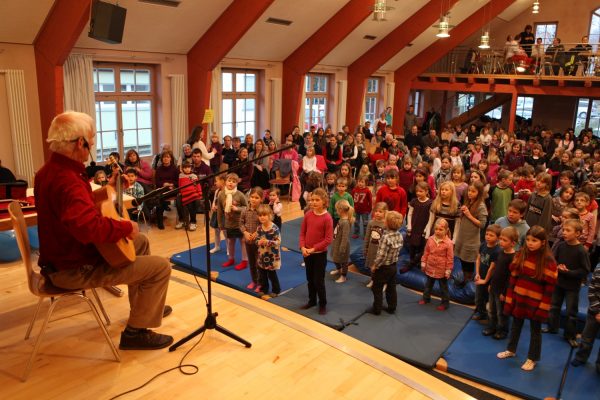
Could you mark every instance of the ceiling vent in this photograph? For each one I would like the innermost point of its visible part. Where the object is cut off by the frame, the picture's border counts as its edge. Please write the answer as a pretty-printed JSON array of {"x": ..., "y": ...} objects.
[
  {"x": 369, "y": 37},
  {"x": 168, "y": 3},
  {"x": 278, "y": 21}
]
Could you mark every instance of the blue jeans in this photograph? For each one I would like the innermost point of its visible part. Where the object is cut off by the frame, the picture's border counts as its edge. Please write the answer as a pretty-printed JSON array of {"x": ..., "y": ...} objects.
[
  {"x": 587, "y": 340},
  {"x": 572, "y": 299},
  {"x": 365, "y": 221},
  {"x": 497, "y": 319}
]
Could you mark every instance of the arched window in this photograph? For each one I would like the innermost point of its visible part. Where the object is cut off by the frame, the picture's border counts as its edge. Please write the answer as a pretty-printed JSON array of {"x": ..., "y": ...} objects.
[{"x": 595, "y": 29}]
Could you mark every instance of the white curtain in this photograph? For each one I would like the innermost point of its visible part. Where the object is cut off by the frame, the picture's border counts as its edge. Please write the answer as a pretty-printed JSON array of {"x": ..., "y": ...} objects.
[
  {"x": 288, "y": 129},
  {"x": 216, "y": 99},
  {"x": 276, "y": 93},
  {"x": 19, "y": 124},
  {"x": 78, "y": 90},
  {"x": 178, "y": 111},
  {"x": 342, "y": 97},
  {"x": 389, "y": 101}
]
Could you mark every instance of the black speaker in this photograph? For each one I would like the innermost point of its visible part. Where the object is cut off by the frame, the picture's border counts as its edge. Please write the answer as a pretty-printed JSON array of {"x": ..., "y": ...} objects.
[{"x": 107, "y": 22}]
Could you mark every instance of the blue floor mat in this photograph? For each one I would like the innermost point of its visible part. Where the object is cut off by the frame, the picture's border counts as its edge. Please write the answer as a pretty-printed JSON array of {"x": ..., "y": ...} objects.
[
  {"x": 473, "y": 356},
  {"x": 345, "y": 301},
  {"x": 290, "y": 275},
  {"x": 290, "y": 237},
  {"x": 417, "y": 334},
  {"x": 583, "y": 383}
]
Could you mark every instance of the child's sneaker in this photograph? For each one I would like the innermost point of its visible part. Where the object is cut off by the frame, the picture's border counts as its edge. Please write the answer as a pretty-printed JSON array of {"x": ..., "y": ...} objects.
[
  {"x": 228, "y": 263},
  {"x": 179, "y": 225},
  {"x": 442, "y": 307},
  {"x": 192, "y": 227},
  {"x": 529, "y": 365},
  {"x": 215, "y": 249},
  {"x": 341, "y": 279},
  {"x": 303, "y": 264},
  {"x": 370, "y": 284},
  {"x": 355, "y": 236},
  {"x": 505, "y": 354},
  {"x": 423, "y": 301},
  {"x": 334, "y": 272},
  {"x": 251, "y": 286},
  {"x": 258, "y": 289},
  {"x": 242, "y": 265}
]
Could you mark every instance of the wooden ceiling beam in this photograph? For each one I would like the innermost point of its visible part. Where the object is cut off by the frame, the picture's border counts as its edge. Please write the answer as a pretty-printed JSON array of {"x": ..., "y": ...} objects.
[
  {"x": 52, "y": 45},
  {"x": 313, "y": 50},
  {"x": 213, "y": 46}
]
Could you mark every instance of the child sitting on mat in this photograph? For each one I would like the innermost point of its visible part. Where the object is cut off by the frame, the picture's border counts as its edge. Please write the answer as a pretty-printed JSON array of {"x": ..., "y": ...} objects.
[
  {"x": 268, "y": 240},
  {"x": 533, "y": 275},
  {"x": 231, "y": 205},
  {"x": 383, "y": 269}
]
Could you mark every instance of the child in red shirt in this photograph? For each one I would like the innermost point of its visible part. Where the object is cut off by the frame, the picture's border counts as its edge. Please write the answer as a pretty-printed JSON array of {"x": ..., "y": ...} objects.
[{"x": 363, "y": 204}]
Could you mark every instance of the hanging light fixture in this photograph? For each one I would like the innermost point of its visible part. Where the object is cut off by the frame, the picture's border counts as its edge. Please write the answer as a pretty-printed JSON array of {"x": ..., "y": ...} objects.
[
  {"x": 379, "y": 9},
  {"x": 485, "y": 40},
  {"x": 536, "y": 7},
  {"x": 444, "y": 26}
]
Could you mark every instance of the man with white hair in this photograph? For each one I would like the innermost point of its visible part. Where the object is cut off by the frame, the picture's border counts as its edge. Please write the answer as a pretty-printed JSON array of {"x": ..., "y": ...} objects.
[{"x": 70, "y": 225}]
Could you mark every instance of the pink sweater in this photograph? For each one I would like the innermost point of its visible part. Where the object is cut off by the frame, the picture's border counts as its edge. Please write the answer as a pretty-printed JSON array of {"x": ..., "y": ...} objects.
[
  {"x": 316, "y": 231},
  {"x": 438, "y": 257}
]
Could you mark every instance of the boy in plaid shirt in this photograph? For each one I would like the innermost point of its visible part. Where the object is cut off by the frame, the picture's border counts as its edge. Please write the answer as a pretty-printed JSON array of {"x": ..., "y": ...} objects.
[{"x": 383, "y": 270}]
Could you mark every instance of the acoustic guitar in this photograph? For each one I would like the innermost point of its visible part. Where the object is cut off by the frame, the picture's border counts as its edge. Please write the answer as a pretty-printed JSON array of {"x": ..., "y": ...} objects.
[{"x": 121, "y": 253}]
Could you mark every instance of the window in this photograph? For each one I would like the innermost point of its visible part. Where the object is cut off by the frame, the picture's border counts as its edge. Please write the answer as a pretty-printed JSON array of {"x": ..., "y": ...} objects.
[
  {"x": 595, "y": 29},
  {"x": 372, "y": 99},
  {"x": 588, "y": 115},
  {"x": 525, "y": 107},
  {"x": 125, "y": 98},
  {"x": 496, "y": 113},
  {"x": 415, "y": 97},
  {"x": 546, "y": 31},
  {"x": 464, "y": 102},
  {"x": 315, "y": 106},
  {"x": 239, "y": 113}
]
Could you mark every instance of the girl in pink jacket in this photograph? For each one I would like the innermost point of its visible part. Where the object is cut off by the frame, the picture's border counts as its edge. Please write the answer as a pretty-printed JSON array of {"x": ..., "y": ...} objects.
[{"x": 437, "y": 263}]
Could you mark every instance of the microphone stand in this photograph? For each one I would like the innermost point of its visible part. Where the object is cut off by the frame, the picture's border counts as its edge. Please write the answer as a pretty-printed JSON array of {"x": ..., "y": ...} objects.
[{"x": 211, "y": 317}]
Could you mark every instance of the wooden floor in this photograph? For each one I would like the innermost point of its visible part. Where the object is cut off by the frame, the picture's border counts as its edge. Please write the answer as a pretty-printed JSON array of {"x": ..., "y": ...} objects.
[{"x": 291, "y": 357}]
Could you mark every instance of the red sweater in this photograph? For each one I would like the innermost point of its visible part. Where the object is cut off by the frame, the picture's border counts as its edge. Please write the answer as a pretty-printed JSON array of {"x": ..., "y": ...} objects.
[
  {"x": 316, "y": 231},
  {"x": 406, "y": 179},
  {"x": 528, "y": 297},
  {"x": 363, "y": 200},
  {"x": 395, "y": 198},
  {"x": 68, "y": 221},
  {"x": 189, "y": 193}
]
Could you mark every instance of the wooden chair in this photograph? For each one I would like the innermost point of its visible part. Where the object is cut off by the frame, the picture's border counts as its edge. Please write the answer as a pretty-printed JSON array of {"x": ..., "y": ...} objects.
[
  {"x": 285, "y": 181},
  {"x": 42, "y": 289}
]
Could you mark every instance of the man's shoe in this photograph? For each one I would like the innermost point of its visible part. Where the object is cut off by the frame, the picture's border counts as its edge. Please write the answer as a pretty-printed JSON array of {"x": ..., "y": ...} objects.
[
  {"x": 144, "y": 339},
  {"x": 307, "y": 306},
  {"x": 322, "y": 310},
  {"x": 488, "y": 331},
  {"x": 167, "y": 311}
]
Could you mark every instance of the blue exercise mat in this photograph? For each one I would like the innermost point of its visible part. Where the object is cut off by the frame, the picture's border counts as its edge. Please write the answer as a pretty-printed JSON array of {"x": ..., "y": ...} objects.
[
  {"x": 415, "y": 278},
  {"x": 345, "y": 301},
  {"x": 417, "y": 334},
  {"x": 290, "y": 275},
  {"x": 290, "y": 237},
  {"x": 473, "y": 356},
  {"x": 583, "y": 382}
]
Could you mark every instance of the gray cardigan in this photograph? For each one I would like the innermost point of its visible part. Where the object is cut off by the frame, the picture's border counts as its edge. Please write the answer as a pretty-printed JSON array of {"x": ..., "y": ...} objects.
[{"x": 340, "y": 249}]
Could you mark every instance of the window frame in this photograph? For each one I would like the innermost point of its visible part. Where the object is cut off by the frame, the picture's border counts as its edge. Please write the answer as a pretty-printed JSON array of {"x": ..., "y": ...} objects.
[
  {"x": 120, "y": 98},
  {"x": 373, "y": 97},
  {"x": 594, "y": 39},
  {"x": 523, "y": 107},
  {"x": 234, "y": 95},
  {"x": 311, "y": 95},
  {"x": 547, "y": 41}
]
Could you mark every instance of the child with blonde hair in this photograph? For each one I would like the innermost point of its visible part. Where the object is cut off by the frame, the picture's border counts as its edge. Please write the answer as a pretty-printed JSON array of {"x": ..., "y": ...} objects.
[
  {"x": 340, "y": 250},
  {"x": 383, "y": 269},
  {"x": 444, "y": 206},
  {"x": 268, "y": 240},
  {"x": 437, "y": 263},
  {"x": 231, "y": 204}
]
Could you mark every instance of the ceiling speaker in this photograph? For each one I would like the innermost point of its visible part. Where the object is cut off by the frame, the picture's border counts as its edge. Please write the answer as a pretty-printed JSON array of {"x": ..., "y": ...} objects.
[{"x": 107, "y": 22}]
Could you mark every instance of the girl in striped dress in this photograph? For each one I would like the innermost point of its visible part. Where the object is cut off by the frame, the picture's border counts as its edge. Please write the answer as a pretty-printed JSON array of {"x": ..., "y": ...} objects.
[{"x": 533, "y": 274}]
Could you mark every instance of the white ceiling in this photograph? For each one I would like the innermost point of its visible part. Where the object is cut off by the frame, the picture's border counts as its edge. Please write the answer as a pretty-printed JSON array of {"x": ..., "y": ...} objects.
[
  {"x": 154, "y": 28},
  {"x": 265, "y": 41},
  {"x": 20, "y": 20}
]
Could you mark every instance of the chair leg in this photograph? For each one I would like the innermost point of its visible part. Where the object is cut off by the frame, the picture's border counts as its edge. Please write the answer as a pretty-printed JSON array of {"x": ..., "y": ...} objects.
[
  {"x": 35, "y": 314},
  {"x": 95, "y": 293},
  {"x": 102, "y": 328},
  {"x": 38, "y": 341}
]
